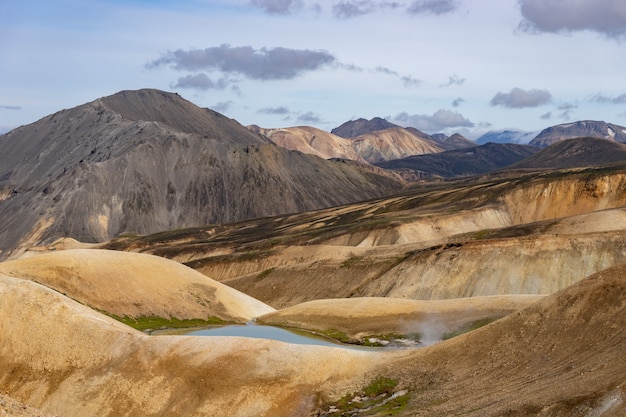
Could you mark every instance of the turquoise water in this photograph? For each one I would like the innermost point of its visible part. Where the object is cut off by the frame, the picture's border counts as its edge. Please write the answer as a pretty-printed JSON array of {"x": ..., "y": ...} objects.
[{"x": 266, "y": 332}]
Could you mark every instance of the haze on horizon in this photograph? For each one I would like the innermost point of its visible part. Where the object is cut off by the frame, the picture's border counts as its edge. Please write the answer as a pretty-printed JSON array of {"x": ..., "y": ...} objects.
[{"x": 438, "y": 65}]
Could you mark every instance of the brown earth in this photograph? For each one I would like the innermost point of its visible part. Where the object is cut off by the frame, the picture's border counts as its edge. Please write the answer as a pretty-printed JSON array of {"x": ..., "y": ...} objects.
[
  {"x": 561, "y": 356},
  {"x": 367, "y": 316},
  {"x": 534, "y": 234},
  {"x": 62, "y": 357},
  {"x": 135, "y": 285}
]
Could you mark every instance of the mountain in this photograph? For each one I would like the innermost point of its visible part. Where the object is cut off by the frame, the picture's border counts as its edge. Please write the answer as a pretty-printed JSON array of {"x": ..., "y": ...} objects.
[
  {"x": 377, "y": 146},
  {"x": 583, "y": 128},
  {"x": 506, "y": 136},
  {"x": 455, "y": 141},
  {"x": 354, "y": 128},
  {"x": 392, "y": 143},
  {"x": 461, "y": 162},
  {"x": 578, "y": 152},
  {"x": 144, "y": 161},
  {"x": 310, "y": 140}
]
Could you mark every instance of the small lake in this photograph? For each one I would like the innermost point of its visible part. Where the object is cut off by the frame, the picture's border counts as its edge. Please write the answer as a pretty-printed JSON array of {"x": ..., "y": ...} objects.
[{"x": 265, "y": 332}]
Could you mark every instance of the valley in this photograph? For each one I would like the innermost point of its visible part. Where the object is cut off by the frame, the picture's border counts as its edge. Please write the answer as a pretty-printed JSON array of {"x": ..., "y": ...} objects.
[{"x": 140, "y": 212}]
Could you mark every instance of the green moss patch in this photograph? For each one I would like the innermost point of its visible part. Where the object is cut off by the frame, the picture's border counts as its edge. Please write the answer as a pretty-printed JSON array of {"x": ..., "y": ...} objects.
[
  {"x": 468, "y": 327},
  {"x": 381, "y": 397},
  {"x": 146, "y": 324}
]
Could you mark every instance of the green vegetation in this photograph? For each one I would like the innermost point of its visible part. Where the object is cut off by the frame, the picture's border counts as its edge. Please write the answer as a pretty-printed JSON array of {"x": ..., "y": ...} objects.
[
  {"x": 336, "y": 334},
  {"x": 350, "y": 261},
  {"x": 380, "y": 398},
  {"x": 468, "y": 327},
  {"x": 156, "y": 323}
]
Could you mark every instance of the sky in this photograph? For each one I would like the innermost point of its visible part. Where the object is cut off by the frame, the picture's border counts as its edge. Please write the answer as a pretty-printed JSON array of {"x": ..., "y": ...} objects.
[{"x": 466, "y": 66}]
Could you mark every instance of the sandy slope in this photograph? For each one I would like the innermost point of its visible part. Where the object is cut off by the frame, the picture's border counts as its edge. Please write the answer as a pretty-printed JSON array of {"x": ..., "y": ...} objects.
[
  {"x": 65, "y": 358},
  {"x": 135, "y": 285},
  {"x": 562, "y": 356},
  {"x": 358, "y": 317}
]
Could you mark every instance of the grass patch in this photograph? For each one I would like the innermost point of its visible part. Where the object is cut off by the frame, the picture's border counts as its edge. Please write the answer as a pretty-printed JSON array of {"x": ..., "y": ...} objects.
[
  {"x": 350, "y": 261},
  {"x": 157, "y": 323},
  {"x": 380, "y": 398},
  {"x": 335, "y": 334},
  {"x": 468, "y": 327}
]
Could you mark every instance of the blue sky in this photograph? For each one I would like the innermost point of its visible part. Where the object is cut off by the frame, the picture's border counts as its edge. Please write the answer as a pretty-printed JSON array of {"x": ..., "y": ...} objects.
[{"x": 465, "y": 66}]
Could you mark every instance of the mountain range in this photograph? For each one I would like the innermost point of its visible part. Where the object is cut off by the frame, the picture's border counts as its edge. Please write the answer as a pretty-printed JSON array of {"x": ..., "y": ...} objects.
[
  {"x": 147, "y": 160},
  {"x": 499, "y": 268}
]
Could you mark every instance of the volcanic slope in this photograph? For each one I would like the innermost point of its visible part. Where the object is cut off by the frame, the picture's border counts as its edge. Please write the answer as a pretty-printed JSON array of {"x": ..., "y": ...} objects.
[
  {"x": 561, "y": 356},
  {"x": 582, "y": 128},
  {"x": 578, "y": 152},
  {"x": 145, "y": 161},
  {"x": 531, "y": 234},
  {"x": 64, "y": 358},
  {"x": 135, "y": 285},
  {"x": 381, "y": 145},
  {"x": 461, "y": 162}
]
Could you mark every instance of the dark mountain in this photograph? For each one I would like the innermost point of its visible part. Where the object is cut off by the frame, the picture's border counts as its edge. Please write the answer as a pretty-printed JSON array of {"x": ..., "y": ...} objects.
[
  {"x": 584, "y": 128},
  {"x": 506, "y": 136},
  {"x": 455, "y": 141},
  {"x": 461, "y": 162},
  {"x": 145, "y": 161},
  {"x": 359, "y": 127},
  {"x": 579, "y": 152}
]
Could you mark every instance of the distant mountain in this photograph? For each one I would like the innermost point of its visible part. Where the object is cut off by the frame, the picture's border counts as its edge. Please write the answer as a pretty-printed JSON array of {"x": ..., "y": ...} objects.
[
  {"x": 312, "y": 141},
  {"x": 578, "y": 152},
  {"x": 461, "y": 162},
  {"x": 584, "y": 128},
  {"x": 455, "y": 141},
  {"x": 354, "y": 128},
  {"x": 377, "y": 146},
  {"x": 506, "y": 136},
  {"x": 145, "y": 161},
  {"x": 390, "y": 144}
]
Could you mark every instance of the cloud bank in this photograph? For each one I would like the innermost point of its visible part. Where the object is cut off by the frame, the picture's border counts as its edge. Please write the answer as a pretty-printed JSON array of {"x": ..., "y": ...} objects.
[
  {"x": 433, "y": 7},
  {"x": 518, "y": 98},
  {"x": 262, "y": 64},
  {"x": 603, "y": 16},
  {"x": 599, "y": 98},
  {"x": 440, "y": 120},
  {"x": 278, "y": 7}
]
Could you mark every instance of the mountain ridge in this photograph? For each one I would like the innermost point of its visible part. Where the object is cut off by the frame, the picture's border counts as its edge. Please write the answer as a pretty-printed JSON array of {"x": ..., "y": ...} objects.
[{"x": 91, "y": 173}]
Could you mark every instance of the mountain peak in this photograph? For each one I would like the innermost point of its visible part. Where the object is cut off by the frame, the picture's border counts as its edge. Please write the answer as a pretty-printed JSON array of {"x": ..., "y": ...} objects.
[
  {"x": 359, "y": 127},
  {"x": 581, "y": 128}
]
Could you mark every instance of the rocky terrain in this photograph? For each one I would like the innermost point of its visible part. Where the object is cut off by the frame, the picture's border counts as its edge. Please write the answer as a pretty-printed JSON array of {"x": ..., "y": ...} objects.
[
  {"x": 583, "y": 128},
  {"x": 372, "y": 147},
  {"x": 501, "y": 294},
  {"x": 145, "y": 161},
  {"x": 460, "y": 162}
]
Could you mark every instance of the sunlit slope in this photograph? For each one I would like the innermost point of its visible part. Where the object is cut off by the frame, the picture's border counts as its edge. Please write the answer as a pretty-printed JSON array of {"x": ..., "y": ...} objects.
[
  {"x": 532, "y": 234},
  {"x": 135, "y": 285},
  {"x": 64, "y": 358},
  {"x": 367, "y": 316},
  {"x": 562, "y": 356}
]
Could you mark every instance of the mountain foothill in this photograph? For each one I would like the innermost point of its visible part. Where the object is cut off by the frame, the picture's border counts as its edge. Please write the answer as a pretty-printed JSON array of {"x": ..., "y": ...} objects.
[{"x": 454, "y": 277}]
